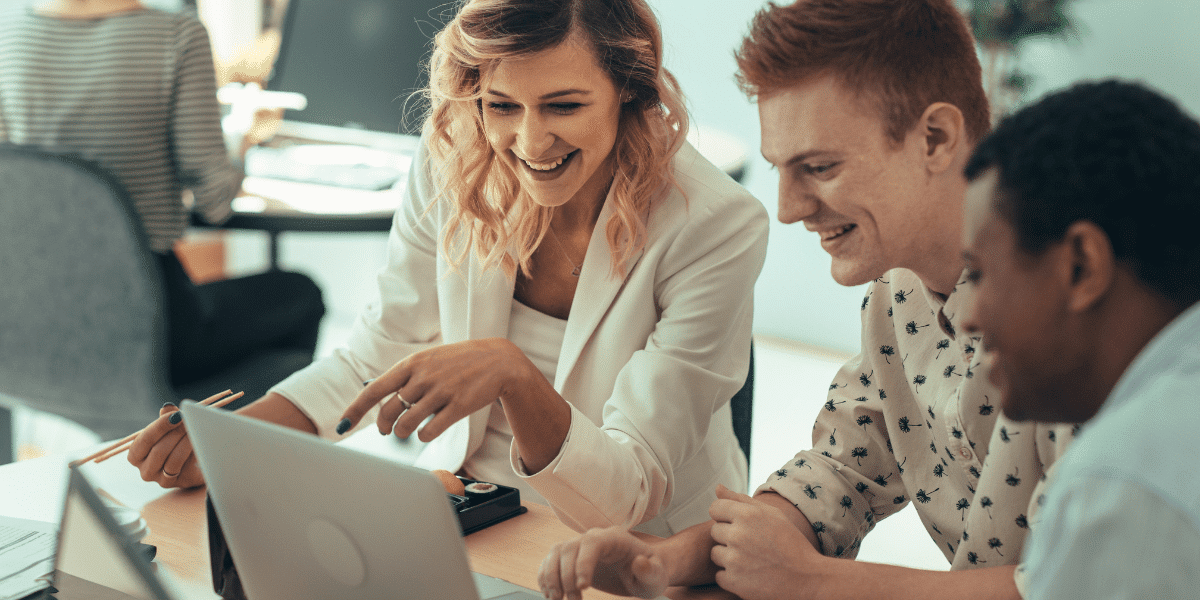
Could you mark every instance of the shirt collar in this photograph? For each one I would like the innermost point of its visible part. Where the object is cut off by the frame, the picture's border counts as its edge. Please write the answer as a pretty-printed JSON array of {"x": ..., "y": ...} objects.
[
  {"x": 1166, "y": 352},
  {"x": 950, "y": 307}
]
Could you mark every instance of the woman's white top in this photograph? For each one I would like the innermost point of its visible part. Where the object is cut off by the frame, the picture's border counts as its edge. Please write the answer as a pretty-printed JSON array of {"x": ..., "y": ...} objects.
[{"x": 540, "y": 337}]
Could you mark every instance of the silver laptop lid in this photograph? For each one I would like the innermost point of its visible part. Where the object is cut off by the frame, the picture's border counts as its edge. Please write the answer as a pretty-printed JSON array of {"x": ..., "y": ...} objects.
[{"x": 307, "y": 519}]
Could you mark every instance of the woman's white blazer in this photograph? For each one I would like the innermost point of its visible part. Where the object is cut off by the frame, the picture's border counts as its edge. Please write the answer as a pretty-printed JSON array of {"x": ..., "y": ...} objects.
[{"x": 649, "y": 359}]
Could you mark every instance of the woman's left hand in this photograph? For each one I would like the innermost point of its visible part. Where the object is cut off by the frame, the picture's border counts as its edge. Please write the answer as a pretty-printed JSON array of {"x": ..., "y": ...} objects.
[{"x": 450, "y": 382}]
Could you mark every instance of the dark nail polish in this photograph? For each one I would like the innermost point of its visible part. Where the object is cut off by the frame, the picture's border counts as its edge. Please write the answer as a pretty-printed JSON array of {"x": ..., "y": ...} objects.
[
  {"x": 367, "y": 382},
  {"x": 175, "y": 418},
  {"x": 166, "y": 404},
  {"x": 343, "y": 426}
]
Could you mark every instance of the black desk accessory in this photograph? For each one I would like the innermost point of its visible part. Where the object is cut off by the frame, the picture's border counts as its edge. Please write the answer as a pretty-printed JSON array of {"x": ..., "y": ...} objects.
[{"x": 481, "y": 510}]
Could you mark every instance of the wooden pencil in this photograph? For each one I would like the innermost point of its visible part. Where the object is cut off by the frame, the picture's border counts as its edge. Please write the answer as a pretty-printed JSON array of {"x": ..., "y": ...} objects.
[
  {"x": 129, "y": 438},
  {"x": 129, "y": 444}
]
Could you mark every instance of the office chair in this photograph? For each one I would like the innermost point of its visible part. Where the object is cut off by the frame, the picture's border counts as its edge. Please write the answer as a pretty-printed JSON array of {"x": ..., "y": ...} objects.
[
  {"x": 742, "y": 407},
  {"x": 83, "y": 329},
  {"x": 6, "y": 444}
]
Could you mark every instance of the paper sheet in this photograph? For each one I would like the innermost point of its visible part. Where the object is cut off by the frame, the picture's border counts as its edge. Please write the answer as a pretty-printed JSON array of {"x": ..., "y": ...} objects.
[{"x": 26, "y": 556}]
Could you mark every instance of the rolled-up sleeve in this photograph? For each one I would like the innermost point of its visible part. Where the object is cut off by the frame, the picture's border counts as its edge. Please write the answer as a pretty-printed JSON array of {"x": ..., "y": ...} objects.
[{"x": 849, "y": 479}]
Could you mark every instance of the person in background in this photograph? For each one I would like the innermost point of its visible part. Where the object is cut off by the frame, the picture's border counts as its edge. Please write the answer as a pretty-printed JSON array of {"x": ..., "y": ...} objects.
[
  {"x": 1080, "y": 233},
  {"x": 869, "y": 109},
  {"x": 133, "y": 89},
  {"x": 569, "y": 286}
]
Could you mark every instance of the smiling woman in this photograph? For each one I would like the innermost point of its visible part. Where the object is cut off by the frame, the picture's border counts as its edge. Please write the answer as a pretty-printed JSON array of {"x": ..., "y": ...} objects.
[
  {"x": 567, "y": 301},
  {"x": 545, "y": 110},
  {"x": 524, "y": 84}
]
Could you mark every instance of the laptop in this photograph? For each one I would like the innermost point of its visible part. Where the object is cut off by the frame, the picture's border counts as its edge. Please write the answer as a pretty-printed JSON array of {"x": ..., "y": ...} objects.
[
  {"x": 95, "y": 558},
  {"x": 307, "y": 519}
]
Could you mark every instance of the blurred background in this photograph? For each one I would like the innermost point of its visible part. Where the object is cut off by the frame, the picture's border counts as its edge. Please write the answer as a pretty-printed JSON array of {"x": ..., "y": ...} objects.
[{"x": 805, "y": 324}]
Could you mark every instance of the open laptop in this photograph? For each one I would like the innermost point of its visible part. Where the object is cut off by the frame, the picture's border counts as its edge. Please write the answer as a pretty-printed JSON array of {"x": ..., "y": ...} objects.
[
  {"x": 307, "y": 519},
  {"x": 95, "y": 558}
]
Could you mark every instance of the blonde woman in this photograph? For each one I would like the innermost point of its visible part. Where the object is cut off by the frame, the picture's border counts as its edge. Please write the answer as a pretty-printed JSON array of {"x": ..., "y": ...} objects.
[{"x": 568, "y": 292}]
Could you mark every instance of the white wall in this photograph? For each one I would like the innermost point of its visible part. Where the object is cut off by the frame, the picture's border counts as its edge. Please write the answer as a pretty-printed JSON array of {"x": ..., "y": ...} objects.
[{"x": 1153, "y": 41}]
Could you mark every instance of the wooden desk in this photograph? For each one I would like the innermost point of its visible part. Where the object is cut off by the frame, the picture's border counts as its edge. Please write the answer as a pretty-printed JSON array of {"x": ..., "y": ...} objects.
[
  {"x": 33, "y": 489},
  {"x": 276, "y": 217}
]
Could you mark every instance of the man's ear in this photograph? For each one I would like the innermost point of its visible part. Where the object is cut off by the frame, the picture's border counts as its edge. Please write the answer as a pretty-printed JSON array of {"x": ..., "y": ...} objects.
[
  {"x": 944, "y": 134},
  {"x": 1091, "y": 262}
]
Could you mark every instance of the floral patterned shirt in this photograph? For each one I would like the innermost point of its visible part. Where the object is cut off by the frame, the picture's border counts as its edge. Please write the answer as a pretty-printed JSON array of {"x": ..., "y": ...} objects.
[{"x": 913, "y": 418}]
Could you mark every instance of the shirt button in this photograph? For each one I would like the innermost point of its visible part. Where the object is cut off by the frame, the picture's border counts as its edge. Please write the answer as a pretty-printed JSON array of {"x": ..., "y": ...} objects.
[{"x": 965, "y": 453}]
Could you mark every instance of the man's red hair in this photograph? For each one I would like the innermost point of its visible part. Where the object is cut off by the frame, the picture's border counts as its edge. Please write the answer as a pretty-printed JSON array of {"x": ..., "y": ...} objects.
[{"x": 900, "y": 55}]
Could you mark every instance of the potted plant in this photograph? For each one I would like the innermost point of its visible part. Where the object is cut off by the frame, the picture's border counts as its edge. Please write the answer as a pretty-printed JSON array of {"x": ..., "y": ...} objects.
[{"x": 1000, "y": 27}]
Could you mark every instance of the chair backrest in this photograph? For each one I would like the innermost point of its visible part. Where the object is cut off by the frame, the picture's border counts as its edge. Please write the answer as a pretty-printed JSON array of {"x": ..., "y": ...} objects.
[
  {"x": 81, "y": 302},
  {"x": 6, "y": 438},
  {"x": 742, "y": 407}
]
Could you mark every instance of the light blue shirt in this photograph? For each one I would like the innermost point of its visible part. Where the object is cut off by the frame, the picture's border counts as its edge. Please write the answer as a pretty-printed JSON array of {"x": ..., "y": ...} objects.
[{"x": 1122, "y": 513}]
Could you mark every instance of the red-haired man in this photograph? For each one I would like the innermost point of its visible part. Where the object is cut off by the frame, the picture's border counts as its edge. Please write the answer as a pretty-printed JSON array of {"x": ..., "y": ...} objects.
[{"x": 869, "y": 109}]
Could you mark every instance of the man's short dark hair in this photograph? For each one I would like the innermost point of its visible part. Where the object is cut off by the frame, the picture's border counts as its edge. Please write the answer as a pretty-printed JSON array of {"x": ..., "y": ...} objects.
[{"x": 1113, "y": 153}]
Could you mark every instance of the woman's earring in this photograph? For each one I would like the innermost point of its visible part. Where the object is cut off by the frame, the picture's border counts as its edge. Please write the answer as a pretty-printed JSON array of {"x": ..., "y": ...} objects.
[{"x": 626, "y": 97}]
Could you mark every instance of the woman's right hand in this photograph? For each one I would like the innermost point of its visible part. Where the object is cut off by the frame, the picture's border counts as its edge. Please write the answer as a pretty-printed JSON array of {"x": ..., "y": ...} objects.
[
  {"x": 611, "y": 560},
  {"x": 163, "y": 452}
]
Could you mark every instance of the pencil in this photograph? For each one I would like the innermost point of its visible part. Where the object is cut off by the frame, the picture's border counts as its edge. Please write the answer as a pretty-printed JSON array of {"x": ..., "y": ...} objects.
[
  {"x": 129, "y": 438},
  {"x": 128, "y": 444}
]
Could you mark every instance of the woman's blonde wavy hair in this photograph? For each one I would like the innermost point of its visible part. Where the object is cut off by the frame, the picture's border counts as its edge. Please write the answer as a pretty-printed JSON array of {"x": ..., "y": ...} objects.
[{"x": 504, "y": 225}]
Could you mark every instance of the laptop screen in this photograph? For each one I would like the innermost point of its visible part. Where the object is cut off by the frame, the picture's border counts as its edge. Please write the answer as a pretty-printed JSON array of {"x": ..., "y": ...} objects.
[{"x": 94, "y": 556}]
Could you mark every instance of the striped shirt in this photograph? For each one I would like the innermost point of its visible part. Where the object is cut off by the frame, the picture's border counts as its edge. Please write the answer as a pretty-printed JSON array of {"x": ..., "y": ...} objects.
[{"x": 133, "y": 91}]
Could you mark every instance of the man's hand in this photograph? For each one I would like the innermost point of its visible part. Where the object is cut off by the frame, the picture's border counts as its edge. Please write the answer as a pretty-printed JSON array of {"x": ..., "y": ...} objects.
[
  {"x": 611, "y": 560},
  {"x": 760, "y": 552}
]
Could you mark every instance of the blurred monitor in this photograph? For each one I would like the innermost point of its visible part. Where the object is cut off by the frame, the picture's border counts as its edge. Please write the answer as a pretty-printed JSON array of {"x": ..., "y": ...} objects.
[{"x": 358, "y": 61}]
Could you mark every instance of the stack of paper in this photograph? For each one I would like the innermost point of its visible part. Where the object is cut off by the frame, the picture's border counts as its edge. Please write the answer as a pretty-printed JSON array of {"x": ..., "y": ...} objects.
[{"x": 26, "y": 556}]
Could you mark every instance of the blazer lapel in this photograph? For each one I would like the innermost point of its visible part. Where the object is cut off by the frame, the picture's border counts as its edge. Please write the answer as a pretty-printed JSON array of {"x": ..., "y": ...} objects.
[
  {"x": 593, "y": 296},
  {"x": 489, "y": 302},
  {"x": 488, "y": 296}
]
